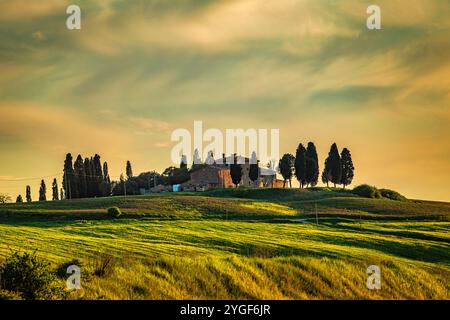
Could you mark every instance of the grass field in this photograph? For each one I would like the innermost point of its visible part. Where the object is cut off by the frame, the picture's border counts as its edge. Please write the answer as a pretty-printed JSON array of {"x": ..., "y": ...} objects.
[{"x": 241, "y": 244}]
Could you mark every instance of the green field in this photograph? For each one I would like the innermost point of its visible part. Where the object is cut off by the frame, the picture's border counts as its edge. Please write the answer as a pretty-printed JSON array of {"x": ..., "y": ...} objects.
[{"x": 241, "y": 244}]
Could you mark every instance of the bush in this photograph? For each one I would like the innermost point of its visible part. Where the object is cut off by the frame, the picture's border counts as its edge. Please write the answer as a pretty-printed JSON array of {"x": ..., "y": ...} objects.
[
  {"x": 391, "y": 194},
  {"x": 104, "y": 265},
  {"x": 28, "y": 276},
  {"x": 364, "y": 190},
  {"x": 8, "y": 295},
  {"x": 114, "y": 212}
]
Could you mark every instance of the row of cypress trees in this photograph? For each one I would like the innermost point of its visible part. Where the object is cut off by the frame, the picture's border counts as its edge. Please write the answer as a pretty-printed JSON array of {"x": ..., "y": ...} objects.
[
  {"x": 86, "y": 178},
  {"x": 338, "y": 168}
]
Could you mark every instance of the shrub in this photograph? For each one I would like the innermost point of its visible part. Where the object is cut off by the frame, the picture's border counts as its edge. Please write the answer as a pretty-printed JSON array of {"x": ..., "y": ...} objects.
[
  {"x": 8, "y": 295},
  {"x": 364, "y": 190},
  {"x": 104, "y": 265},
  {"x": 114, "y": 212},
  {"x": 29, "y": 277},
  {"x": 391, "y": 194}
]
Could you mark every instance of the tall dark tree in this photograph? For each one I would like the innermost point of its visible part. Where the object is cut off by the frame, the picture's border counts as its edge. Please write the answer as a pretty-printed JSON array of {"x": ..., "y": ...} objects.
[
  {"x": 326, "y": 173},
  {"x": 55, "y": 195},
  {"x": 253, "y": 172},
  {"x": 105, "y": 186},
  {"x": 129, "y": 170},
  {"x": 19, "y": 199},
  {"x": 236, "y": 172},
  {"x": 286, "y": 167},
  {"x": 312, "y": 165},
  {"x": 43, "y": 191},
  {"x": 98, "y": 175},
  {"x": 347, "y": 167},
  {"x": 80, "y": 178},
  {"x": 335, "y": 165},
  {"x": 28, "y": 194},
  {"x": 69, "y": 184},
  {"x": 88, "y": 167},
  {"x": 300, "y": 165},
  {"x": 61, "y": 194}
]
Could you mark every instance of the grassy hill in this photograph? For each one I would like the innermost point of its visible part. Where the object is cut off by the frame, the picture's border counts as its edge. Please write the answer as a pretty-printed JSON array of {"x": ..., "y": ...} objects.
[{"x": 241, "y": 244}]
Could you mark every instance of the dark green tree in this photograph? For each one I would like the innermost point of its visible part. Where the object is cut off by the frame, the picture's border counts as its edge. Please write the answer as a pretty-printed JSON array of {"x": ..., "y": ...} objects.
[
  {"x": 28, "y": 194},
  {"x": 312, "y": 165},
  {"x": 286, "y": 167},
  {"x": 69, "y": 184},
  {"x": 55, "y": 195},
  {"x": 326, "y": 173},
  {"x": 98, "y": 175},
  {"x": 61, "y": 194},
  {"x": 105, "y": 186},
  {"x": 236, "y": 171},
  {"x": 347, "y": 167},
  {"x": 43, "y": 191},
  {"x": 80, "y": 178},
  {"x": 335, "y": 165},
  {"x": 19, "y": 199},
  {"x": 300, "y": 165},
  {"x": 129, "y": 170},
  {"x": 253, "y": 172},
  {"x": 89, "y": 178}
]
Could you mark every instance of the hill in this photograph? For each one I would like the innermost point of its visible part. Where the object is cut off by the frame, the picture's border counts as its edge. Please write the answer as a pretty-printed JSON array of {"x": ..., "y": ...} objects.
[{"x": 241, "y": 244}]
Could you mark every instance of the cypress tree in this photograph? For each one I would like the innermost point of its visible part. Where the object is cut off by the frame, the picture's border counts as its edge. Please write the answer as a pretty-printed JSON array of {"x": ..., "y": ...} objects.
[
  {"x": 300, "y": 165},
  {"x": 55, "y": 196},
  {"x": 312, "y": 165},
  {"x": 253, "y": 173},
  {"x": 347, "y": 167},
  {"x": 89, "y": 178},
  {"x": 236, "y": 172},
  {"x": 335, "y": 165},
  {"x": 28, "y": 194},
  {"x": 326, "y": 175},
  {"x": 286, "y": 167},
  {"x": 80, "y": 174},
  {"x": 19, "y": 199},
  {"x": 68, "y": 178},
  {"x": 105, "y": 186},
  {"x": 129, "y": 170},
  {"x": 98, "y": 175},
  {"x": 61, "y": 194},
  {"x": 43, "y": 192}
]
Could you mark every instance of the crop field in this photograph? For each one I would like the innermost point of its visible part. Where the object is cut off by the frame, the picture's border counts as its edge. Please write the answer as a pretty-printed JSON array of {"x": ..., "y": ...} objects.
[{"x": 240, "y": 244}]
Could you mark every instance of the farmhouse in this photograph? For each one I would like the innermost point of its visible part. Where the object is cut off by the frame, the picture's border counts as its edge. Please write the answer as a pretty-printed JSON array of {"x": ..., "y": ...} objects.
[{"x": 217, "y": 175}]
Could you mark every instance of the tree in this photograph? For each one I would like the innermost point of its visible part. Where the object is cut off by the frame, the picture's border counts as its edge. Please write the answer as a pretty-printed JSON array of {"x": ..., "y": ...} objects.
[
  {"x": 4, "y": 198},
  {"x": 326, "y": 175},
  {"x": 347, "y": 167},
  {"x": 286, "y": 167},
  {"x": 55, "y": 196},
  {"x": 312, "y": 165},
  {"x": 61, "y": 194},
  {"x": 335, "y": 166},
  {"x": 105, "y": 186},
  {"x": 43, "y": 191},
  {"x": 19, "y": 199},
  {"x": 88, "y": 170},
  {"x": 300, "y": 165},
  {"x": 80, "y": 178},
  {"x": 253, "y": 173},
  {"x": 236, "y": 172},
  {"x": 68, "y": 178},
  {"x": 129, "y": 170},
  {"x": 96, "y": 167},
  {"x": 28, "y": 194}
]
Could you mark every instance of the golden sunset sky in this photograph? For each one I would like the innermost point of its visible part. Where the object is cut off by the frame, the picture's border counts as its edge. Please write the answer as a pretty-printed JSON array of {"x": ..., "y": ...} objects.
[{"x": 137, "y": 70}]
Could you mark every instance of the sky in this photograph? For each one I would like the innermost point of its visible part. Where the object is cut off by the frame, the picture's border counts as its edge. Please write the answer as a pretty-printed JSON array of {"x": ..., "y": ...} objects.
[{"x": 137, "y": 70}]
